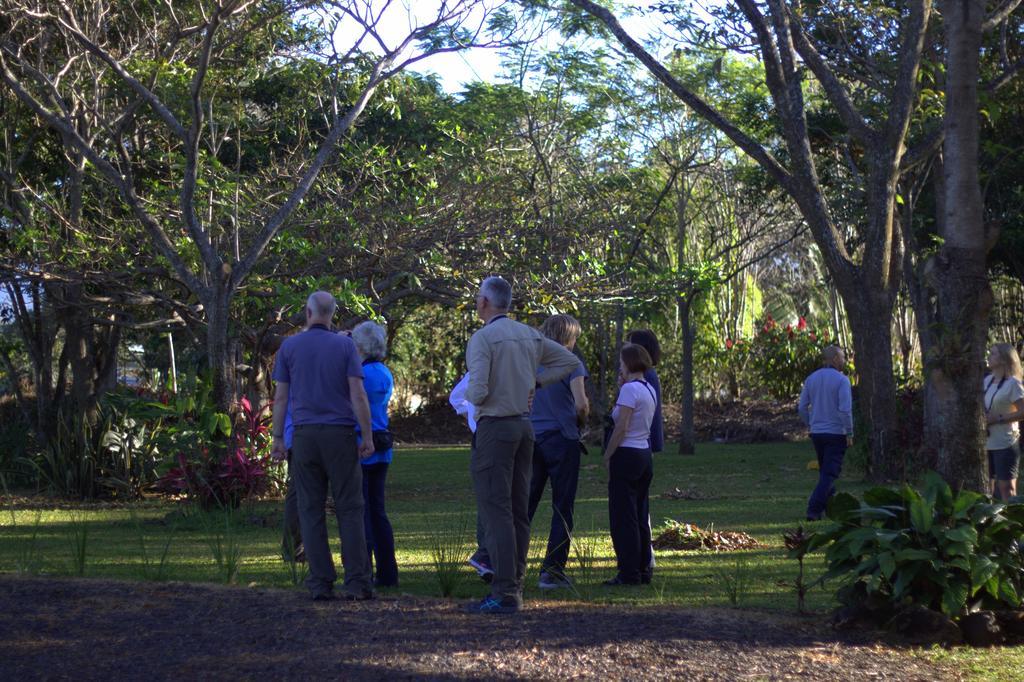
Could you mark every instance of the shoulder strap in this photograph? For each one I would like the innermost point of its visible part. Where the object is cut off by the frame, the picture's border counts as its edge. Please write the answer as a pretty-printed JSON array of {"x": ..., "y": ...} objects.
[{"x": 649, "y": 389}]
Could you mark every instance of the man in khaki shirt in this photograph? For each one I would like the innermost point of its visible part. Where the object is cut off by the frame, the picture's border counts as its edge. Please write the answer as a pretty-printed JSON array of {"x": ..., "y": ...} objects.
[{"x": 503, "y": 358}]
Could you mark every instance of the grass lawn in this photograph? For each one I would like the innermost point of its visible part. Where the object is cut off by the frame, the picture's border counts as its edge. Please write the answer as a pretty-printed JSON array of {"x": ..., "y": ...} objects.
[{"x": 759, "y": 489}]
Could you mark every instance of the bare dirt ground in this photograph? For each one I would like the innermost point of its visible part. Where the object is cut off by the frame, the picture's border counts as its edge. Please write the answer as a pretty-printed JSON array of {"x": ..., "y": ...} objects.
[{"x": 82, "y": 629}]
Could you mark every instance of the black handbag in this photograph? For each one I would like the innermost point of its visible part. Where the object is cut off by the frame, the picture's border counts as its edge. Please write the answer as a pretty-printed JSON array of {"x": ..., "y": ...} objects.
[{"x": 383, "y": 440}]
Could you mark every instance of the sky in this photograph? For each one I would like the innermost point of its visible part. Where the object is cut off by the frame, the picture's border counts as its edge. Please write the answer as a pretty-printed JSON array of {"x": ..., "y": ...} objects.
[{"x": 453, "y": 70}]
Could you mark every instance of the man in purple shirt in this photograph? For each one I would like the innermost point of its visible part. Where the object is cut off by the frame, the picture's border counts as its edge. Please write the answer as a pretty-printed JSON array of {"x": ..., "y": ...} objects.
[
  {"x": 826, "y": 406},
  {"x": 320, "y": 381}
]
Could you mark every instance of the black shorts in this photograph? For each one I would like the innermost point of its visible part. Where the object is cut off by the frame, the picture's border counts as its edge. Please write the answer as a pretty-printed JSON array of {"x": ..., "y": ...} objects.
[{"x": 1003, "y": 465}]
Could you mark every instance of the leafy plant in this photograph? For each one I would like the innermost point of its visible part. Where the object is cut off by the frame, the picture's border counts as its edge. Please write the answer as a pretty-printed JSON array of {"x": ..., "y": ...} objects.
[
  {"x": 943, "y": 550},
  {"x": 214, "y": 483},
  {"x": 448, "y": 550},
  {"x": 297, "y": 570},
  {"x": 796, "y": 542},
  {"x": 131, "y": 455},
  {"x": 734, "y": 579},
  {"x": 27, "y": 558},
  {"x": 154, "y": 567},
  {"x": 78, "y": 542},
  {"x": 224, "y": 544},
  {"x": 584, "y": 552},
  {"x": 223, "y": 480}
]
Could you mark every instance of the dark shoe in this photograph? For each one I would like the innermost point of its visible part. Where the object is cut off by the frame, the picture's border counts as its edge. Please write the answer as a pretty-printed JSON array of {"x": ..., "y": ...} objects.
[
  {"x": 362, "y": 595},
  {"x": 483, "y": 569},
  {"x": 617, "y": 581},
  {"x": 298, "y": 558},
  {"x": 490, "y": 605},
  {"x": 380, "y": 583},
  {"x": 324, "y": 596},
  {"x": 553, "y": 581}
]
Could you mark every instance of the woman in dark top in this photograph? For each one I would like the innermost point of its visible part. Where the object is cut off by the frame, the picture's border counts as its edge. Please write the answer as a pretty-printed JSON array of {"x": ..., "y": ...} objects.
[{"x": 649, "y": 342}]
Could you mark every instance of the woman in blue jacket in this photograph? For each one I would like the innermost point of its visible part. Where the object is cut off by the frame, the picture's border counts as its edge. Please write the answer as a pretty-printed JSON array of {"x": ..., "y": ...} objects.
[{"x": 371, "y": 342}]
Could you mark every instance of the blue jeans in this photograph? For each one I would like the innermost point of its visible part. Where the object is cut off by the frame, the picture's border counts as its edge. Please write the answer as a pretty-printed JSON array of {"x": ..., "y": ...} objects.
[
  {"x": 830, "y": 448},
  {"x": 380, "y": 539},
  {"x": 558, "y": 458}
]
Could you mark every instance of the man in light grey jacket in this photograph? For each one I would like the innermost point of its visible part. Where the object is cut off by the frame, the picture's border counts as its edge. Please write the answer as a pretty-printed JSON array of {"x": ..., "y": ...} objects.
[{"x": 503, "y": 358}]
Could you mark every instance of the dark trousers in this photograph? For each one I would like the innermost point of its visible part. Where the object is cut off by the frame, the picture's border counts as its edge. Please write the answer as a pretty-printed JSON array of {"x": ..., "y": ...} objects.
[
  {"x": 557, "y": 458},
  {"x": 291, "y": 543},
  {"x": 500, "y": 467},
  {"x": 830, "y": 449},
  {"x": 327, "y": 456},
  {"x": 629, "y": 482},
  {"x": 380, "y": 539}
]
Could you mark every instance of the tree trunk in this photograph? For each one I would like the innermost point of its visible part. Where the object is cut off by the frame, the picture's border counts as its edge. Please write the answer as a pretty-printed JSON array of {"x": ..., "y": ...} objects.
[
  {"x": 220, "y": 352},
  {"x": 875, "y": 397},
  {"x": 964, "y": 296},
  {"x": 687, "y": 438}
]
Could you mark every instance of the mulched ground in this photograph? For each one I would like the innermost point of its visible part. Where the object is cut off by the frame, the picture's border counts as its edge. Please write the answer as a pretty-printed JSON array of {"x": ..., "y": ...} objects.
[
  {"x": 65, "y": 628},
  {"x": 751, "y": 421}
]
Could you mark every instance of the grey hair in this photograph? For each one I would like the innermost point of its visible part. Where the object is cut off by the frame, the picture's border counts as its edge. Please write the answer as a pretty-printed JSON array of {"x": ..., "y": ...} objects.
[
  {"x": 371, "y": 340},
  {"x": 499, "y": 292},
  {"x": 829, "y": 353},
  {"x": 322, "y": 304}
]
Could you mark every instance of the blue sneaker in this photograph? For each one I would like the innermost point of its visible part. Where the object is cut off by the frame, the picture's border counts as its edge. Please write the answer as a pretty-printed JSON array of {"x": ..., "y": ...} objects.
[{"x": 492, "y": 605}]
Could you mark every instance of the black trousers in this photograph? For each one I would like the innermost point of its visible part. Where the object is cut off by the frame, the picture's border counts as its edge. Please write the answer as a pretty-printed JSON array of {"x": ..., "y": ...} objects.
[
  {"x": 556, "y": 458},
  {"x": 629, "y": 482}
]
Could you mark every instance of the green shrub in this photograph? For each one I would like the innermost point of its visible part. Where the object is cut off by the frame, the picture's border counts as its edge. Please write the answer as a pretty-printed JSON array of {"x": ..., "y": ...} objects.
[{"x": 937, "y": 549}]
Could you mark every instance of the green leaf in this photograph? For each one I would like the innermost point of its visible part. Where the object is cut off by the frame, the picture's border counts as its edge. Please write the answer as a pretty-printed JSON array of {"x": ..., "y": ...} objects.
[
  {"x": 921, "y": 515},
  {"x": 904, "y": 576},
  {"x": 1008, "y": 593},
  {"x": 982, "y": 569},
  {"x": 887, "y": 563},
  {"x": 841, "y": 507},
  {"x": 224, "y": 423},
  {"x": 883, "y": 497},
  {"x": 937, "y": 492},
  {"x": 911, "y": 554},
  {"x": 965, "y": 499},
  {"x": 962, "y": 534},
  {"x": 954, "y": 598}
]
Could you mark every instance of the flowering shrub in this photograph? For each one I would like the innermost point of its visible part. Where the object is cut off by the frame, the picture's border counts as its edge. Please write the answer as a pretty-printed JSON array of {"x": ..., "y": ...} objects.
[
  {"x": 225, "y": 481},
  {"x": 215, "y": 482},
  {"x": 778, "y": 359}
]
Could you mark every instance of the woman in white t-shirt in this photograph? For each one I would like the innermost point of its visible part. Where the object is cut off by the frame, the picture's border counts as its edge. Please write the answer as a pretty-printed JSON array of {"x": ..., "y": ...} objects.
[
  {"x": 1004, "y": 408},
  {"x": 627, "y": 457}
]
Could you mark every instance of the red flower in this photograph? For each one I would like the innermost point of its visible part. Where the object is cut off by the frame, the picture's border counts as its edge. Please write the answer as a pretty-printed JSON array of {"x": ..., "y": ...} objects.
[
  {"x": 728, "y": 343},
  {"x": 812, "y": 336},
  {"x": 789, "y": 330},
  {"x": 801, "y": 324}
]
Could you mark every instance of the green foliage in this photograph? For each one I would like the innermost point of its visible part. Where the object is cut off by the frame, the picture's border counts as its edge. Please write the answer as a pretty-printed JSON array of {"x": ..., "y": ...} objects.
[
  {"x": 78, "y": 542},
  {"x": 943, "y": 550},
  {"x": 734, "y": 579},
  {"x": 154, "y": 567},
  {"x": 224, "y": 542},
  {"x": 449, "y": 548}
]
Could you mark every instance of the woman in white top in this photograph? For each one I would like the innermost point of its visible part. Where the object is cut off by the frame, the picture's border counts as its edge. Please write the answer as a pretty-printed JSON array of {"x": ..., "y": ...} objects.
[
  {"x": 627, "y": 457},
  {"x": 1004, "y": 408}
]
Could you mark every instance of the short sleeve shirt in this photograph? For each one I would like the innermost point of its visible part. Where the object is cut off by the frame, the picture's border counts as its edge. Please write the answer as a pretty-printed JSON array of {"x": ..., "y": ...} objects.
[
  {"x": 317, "y": 364},
  {"x": 1000, "y": 397},
  {"x": 638, "y": 395},
  {"x": 554, "y": 408}
]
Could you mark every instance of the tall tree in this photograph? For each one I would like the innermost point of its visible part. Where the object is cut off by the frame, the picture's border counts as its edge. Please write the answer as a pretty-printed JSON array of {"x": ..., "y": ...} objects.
[
  {"x": 162, "y": 74},
  {"x": 874, "y": 104}
]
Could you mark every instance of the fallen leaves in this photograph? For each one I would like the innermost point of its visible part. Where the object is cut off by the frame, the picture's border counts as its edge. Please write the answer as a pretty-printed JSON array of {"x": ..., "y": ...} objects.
[{"x": 688, "y": 536}]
